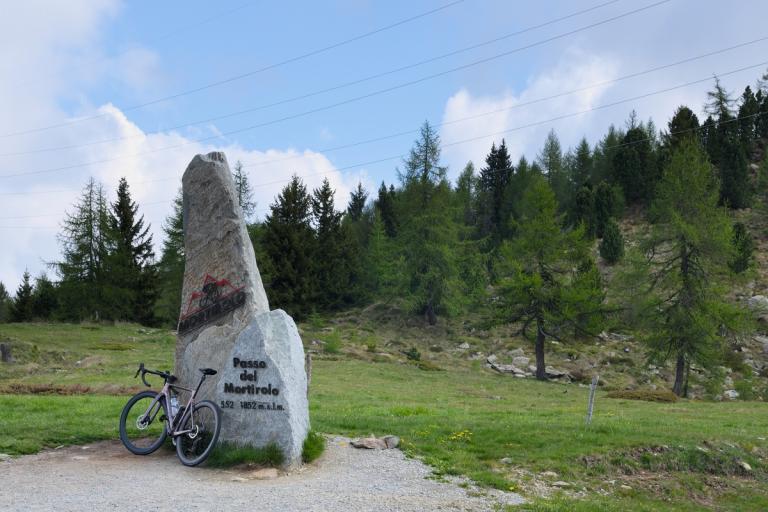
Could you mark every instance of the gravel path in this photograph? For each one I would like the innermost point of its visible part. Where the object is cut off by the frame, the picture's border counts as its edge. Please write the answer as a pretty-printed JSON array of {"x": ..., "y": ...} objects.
[{"x": 104, "y": 476}]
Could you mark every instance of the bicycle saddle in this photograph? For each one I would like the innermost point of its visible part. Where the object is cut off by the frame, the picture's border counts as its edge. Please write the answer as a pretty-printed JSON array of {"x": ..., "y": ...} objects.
[{"x": 208, "y": 371}]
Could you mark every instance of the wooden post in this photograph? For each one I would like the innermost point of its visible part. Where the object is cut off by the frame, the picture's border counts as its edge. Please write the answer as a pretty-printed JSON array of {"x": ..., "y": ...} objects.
[
  {"x": 592, "y": 388},
  {"x": 308, "y": 368},
  {"x": 5, "y": 353}
]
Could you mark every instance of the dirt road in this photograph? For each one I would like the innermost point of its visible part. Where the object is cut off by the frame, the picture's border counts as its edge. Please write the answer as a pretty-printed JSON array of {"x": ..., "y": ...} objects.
[{"x": 104, "y": 476}]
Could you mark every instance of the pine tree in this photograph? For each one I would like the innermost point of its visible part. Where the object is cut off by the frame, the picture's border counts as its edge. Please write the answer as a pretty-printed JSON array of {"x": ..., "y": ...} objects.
[
  {"x": 83, "y": 247},
  {"x": 288, "y": 244},
  {"x": 607, "y": 206},
  {"x": 735, "y": 186},
  {"x": 604, "y": 155},
  {"x": 130, "y": 273},
  {"x": 683, "y": 126},
  {"x": 681, "y": 265},
  {"x": 612, "y": 245},
  {"x": 243, "y": 190},
  {"x": 542, "y": 287},
  {"x": 21, "y": 310},
  {"x": 44, "y": 298},
  {"x": 582, "y": 172},
  {"x": 5, "y": 304},
  {"x": 584, "y": 210},
  {"x": 357, "y": 200},
  {"x": 748, "y": 110},
  {"x": 170, "y": 268}
]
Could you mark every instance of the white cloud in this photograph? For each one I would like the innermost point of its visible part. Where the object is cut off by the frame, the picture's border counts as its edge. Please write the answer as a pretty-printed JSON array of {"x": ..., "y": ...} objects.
[
  {"x": 34, "y": 83},
  {"x": 576, "y": 70}
]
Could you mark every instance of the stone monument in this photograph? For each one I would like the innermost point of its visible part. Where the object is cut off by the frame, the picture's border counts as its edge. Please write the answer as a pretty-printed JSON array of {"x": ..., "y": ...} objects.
[{"x": 225, "y": 321}]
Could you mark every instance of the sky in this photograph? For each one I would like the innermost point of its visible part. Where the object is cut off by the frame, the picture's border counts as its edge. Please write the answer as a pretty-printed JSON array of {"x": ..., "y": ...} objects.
[{"x": 337, "y": 90}]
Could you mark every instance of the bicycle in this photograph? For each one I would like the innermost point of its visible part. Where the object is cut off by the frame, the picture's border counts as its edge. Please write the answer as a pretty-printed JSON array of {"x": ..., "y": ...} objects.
[{"x": 147, "y": 420}]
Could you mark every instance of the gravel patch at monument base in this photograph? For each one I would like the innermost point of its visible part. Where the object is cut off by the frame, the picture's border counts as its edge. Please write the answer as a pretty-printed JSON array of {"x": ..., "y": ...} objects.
[{"x": 104, "y": 476}]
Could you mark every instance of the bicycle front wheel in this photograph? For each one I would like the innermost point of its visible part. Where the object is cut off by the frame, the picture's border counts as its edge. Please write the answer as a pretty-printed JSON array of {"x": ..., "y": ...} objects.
[
  {"x": 202, "y": 428},
  {"x": 142, "y": 426}
]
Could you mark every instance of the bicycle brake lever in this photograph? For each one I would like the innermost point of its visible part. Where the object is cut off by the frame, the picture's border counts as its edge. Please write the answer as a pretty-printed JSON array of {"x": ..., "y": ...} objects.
[{"x": 141, "y": 367}]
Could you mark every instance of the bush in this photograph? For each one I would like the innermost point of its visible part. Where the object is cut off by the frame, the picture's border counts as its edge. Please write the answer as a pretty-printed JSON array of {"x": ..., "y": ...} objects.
[
  {"x": 612, "y": 245},
  {"x": 314, "y": 446},
  {"x": 413, "y": 354},
  {"x": 647, "y": 395},
  {"x": 744, "y": 388},
  {"x": 744, "y": 246}
]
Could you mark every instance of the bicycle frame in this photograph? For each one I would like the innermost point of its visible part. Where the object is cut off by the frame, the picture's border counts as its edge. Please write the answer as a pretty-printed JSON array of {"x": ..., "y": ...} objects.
[{"x": 171, "y": 420}]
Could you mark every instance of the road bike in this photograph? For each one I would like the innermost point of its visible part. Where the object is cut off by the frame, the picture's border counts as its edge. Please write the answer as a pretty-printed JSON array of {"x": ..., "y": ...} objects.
[{"x": 150, "y": 417}]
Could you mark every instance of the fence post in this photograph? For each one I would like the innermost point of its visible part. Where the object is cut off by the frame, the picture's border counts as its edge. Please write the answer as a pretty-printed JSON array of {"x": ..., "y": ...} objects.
[
  {"x": 5, "y": 353},
  {"x": 592, "y": 388}
]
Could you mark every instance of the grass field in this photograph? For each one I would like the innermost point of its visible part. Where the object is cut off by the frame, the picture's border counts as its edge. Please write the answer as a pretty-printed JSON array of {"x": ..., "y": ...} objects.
[{"x": 499, "y": 431}]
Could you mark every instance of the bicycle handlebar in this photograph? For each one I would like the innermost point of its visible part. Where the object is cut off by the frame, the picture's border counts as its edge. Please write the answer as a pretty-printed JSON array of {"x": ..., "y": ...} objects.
[{"x": 143, "y": 371}]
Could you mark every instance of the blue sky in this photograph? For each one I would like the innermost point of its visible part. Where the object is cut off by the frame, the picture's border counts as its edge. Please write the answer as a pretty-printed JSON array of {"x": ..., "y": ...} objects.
[{"x": 63, "y": 60}]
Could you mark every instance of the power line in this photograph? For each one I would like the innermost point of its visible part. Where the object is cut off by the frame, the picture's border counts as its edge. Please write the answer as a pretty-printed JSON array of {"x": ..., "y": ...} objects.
[
  {"x": 242, "y": 75},
  {"x": 320, "y": 91},
  {"x": 344, "y": 102},
  {"x": 517, "y": 128}
]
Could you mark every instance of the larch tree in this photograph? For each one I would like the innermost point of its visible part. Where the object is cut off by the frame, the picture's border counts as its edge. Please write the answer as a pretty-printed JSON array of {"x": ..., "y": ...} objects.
[
  {"x": 244, "y": 191},
  {"x": 681, "y": 266},
  {"x": 548, "y": 284}
]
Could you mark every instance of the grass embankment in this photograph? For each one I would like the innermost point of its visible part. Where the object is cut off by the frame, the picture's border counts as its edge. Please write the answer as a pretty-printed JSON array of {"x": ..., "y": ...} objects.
[{"x": 500, "y": 431}]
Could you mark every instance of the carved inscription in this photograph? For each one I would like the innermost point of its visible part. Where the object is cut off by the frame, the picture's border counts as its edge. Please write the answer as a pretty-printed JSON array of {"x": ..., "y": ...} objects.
[
  {"x": 216, "y": 298},
  {"x": 249, "y": 384}
]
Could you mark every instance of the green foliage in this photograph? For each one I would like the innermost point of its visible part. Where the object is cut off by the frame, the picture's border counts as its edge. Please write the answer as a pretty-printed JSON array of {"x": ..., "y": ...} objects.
[
  {"x": 44, "y": 298},
  {"x": 413, "y": 354},
  {"x": 332, "y": 343},
  {"x": 744, "y": 248},
  {"x": 22, "y": 308},
  {"x": 493, "y": 209},
  {"x": 288, "y": 244},
  {"x": 170, "y": 269},
  {"x": 682, "y": 265},
  {"x": 313, "y": 447},
  {"x": 243, "y": 191},
  {"x": 612, "y": 244},
  {"x": 634, "y": 164},
  {"x": 745, "y": 388},
  {"x": 227, "y": 454},
  {"x": 5, "y": 304},
  {"x": 546, "y": 283}
]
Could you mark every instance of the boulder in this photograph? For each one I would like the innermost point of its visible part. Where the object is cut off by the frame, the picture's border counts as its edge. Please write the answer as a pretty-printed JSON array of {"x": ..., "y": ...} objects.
[
  {"x": 225, "y": 322},
  {"x": 516, "y": 352},
  {"x": 758, "y": 303},
  {"x": 521, "y": 361},
  {"x": 731, "y": 394},
  {"x": 391, "y": 441},
  {"x": 373, "y": 443}
]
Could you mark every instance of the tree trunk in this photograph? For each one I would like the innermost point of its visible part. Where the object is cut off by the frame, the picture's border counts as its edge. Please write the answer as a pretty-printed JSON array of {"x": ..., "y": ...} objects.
[
  {"x": 541, "y": 373},
  {"x": 430, "y": 314},
  {"x": 679, "y": 375}
]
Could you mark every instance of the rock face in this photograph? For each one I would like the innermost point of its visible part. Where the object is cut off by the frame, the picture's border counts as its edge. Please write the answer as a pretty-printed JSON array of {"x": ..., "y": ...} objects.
[{"x": 225, "y": 322}]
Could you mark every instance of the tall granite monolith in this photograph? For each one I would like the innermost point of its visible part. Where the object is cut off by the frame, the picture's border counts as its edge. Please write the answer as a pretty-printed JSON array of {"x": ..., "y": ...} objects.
[{"x": 225, "y": 321}]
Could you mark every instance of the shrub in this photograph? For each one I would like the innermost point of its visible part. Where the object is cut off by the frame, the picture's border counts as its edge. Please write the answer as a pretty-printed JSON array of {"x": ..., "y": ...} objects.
[
  {"x": 648, "y": 395},
  {"x": 612, "y": 245},
  {"x": 744, "y": 246},
  {"x": 413, "y": 354},
  {"x": 744, "y": 388},
  {"x": 227, "y": 454}
]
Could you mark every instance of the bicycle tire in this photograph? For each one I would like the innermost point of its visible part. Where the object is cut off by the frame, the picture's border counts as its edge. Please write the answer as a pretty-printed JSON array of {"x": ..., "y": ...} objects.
[
  {"x": 127, "y": 439},
  {"x": 195, "y": 450}
]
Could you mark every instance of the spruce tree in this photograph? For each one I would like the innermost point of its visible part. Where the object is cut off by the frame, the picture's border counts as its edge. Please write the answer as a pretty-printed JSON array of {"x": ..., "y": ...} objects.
[
  {"x": 466, "y": 192},
  {"x": 584, "y": 210},
  {"x": 385, "y": 206},
  {"x": 21, "y": 310},
  {"x": 634, "y": 165},
  {"x": 582, "y": 171},
  {"x": 170, "y": 268},
  {"x": 735, "y": 186},
  {"x": 243, "y": 190},
  {"x": 747, "y": 114},
  {"x": 604, "y": 155},
  {"x": 492, "y": 186},
  {"x": 287, "y": 242},
  {"x": 607, "y": 206},
  {"x": 612, "y": 244},
  {"x": 129, "y": 267},
  {"x": 44, "y": 298},
  {"x": 5, "y": 304},
  {"x": 357, "y": 200},
  {"x": 542, "y": 287},
  {"x": 331, "y": 270},
  {"x": 683, "y": 126}
]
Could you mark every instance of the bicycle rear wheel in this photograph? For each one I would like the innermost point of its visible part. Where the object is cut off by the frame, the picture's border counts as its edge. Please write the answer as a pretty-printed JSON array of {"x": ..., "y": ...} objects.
[
  {"x": 142, "y": 430},
  {"x": 204, "y": 425}
]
